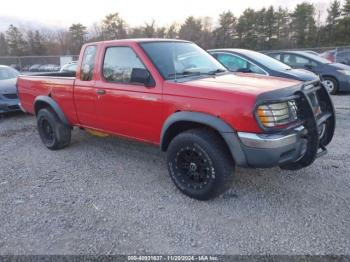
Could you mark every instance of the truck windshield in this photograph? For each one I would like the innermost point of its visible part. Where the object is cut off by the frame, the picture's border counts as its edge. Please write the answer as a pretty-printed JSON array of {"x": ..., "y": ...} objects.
[{"x": 181, "y": 59}]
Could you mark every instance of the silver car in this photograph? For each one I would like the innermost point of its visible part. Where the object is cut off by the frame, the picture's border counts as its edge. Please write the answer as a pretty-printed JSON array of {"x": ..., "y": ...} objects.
[{"x": 8, "y": 92}]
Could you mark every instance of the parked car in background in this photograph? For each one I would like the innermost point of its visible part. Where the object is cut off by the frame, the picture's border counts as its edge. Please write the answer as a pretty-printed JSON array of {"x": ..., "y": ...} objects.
[
  {"x": 248, "y": 61},
  {"x": 311, "y": 52},
  {"x": 339, "y": 56},
  {"x": 49, "y": 68},
  {"x": 336, "y": 76},
  {"x": 34, "y": 68},
  {"x": 70, "y": 67},
  {"x": 173, "y": 94},
  {"x": 8, "y": 92}
]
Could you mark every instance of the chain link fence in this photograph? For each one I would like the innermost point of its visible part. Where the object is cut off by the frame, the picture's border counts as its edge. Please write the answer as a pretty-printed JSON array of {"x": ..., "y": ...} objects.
[
  {"x": 54, "y": 63},
  {"x": 37, "y": 63}
]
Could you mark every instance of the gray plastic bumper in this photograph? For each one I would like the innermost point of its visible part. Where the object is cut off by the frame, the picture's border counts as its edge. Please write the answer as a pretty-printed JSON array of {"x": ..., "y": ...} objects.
[{"x": 262, "y": 150}]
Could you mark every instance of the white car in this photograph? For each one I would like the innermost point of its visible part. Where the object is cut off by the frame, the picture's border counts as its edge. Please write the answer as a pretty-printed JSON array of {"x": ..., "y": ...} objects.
[{"x": 70, "y": 67}]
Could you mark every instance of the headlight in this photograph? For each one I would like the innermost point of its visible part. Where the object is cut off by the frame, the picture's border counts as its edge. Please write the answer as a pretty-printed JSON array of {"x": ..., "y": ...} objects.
[
  {"x": 345, "y": 72},
  {"x": 277, "y": 114}
]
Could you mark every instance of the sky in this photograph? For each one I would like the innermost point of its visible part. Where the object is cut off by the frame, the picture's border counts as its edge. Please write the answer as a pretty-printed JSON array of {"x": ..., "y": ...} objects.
[{"x": 63, "y": 13}]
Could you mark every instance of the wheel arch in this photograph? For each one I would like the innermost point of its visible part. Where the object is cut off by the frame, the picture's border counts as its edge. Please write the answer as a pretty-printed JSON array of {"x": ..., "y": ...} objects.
[
  {"x": 332, "y": 77},
  {"x": 47, "y": 102},
  {"x": 183, "y": 120}
]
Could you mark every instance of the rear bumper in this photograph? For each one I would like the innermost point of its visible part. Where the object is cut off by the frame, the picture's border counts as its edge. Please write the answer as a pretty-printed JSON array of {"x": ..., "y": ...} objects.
[{"x": 263, "y": 150}]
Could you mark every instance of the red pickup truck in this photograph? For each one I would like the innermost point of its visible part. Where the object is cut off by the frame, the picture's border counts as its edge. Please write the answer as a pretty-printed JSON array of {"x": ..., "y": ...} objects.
[{"x": 173, "y": 94}]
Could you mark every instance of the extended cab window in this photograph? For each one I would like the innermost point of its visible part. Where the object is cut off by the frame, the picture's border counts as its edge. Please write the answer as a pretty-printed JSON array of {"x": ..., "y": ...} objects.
[
  {"x": 119, "y": 63},
  {"x": 87, "y": 66}
]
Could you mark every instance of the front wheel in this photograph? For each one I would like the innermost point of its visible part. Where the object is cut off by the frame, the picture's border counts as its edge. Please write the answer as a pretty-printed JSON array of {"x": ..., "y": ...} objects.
[
  {"x": 53, "y": 133},
  {"x": 330, "y": 84},
  {"x": 200, "y": 164}
]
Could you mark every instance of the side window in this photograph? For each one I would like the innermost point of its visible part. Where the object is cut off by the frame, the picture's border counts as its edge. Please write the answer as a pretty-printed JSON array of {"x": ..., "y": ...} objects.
[
  {"x": 296, "y": 61},
  {"x": 119, "y": 63},
  {"x": 87, "y": 66},
  {"x": 233, "y": 63},
  {"x": 237, "y": 64},
  {"x": 255, "y": 69},
  {"x": 276, "y": 56}
]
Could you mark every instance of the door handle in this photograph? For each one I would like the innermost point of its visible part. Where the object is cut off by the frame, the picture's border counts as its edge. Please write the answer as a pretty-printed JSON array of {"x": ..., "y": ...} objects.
[{"x": 101, "y": 92}]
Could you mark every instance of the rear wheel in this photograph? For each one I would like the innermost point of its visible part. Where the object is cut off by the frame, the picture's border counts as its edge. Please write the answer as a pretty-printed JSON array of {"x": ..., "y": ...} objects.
[
  {"x": 331, "y": 84},
  {"x": 53, "y": 133},
  {"x": 200, "y": 164}
]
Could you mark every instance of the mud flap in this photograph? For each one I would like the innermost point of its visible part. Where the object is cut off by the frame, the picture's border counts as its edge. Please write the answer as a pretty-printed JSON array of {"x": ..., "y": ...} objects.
[{"x": 320, "y": 130}]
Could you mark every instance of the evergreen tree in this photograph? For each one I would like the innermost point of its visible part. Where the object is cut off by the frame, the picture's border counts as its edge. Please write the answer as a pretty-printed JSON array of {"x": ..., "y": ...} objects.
[
  {"x": 191, "y": 30},
  {"x": 3, "y": 45},
  {"x": 15, "y": 41},
  {"x": 35, "y": 43},
  {"x": 304, "y": 25},
  {"x": 113, "y": 27},
  {"x": 224, "y": 35},
  {"x": 78, "y": 37}
]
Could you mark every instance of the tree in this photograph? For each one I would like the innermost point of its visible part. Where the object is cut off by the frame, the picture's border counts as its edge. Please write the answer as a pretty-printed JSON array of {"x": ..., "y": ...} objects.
[
  {"x": 282, "y": 28},
  {"x": 149, "y": 30},
  {"x": 3, "y": 45},
  {"x": 78, "y": 37},
  {"x": 35, "y": 43},
  {"x": 15, "y": 41},
  {"x": 346, "y": 8},
  {"x": 161, "y": 32},
  {"x": 246, "y": 29},
  {"x": 113, "y": 27},
  {"x": 270, "y": 28},
  {"x": 304, "y": 25},
  {"x": 172, "y": 31},
  {"x": 343, "y": 26},
  {"x": 334, "y": 12},
  {"x": 191, "y": 30},
  {"x": 225, "y": 33}
]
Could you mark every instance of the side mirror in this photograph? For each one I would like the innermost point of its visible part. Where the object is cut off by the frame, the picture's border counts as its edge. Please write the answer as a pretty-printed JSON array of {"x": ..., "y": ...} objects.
[{"x": 142, "y": 76}]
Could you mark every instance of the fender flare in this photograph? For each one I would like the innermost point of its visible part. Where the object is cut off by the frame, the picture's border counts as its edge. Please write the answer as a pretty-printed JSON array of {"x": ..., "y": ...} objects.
[
  {"x": 53, "y": 105},
  {"x": 228, "y": 134}
]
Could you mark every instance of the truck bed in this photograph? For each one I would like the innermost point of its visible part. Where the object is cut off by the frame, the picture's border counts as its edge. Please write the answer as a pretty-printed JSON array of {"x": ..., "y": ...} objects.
[{"x": 59, "y": 86}]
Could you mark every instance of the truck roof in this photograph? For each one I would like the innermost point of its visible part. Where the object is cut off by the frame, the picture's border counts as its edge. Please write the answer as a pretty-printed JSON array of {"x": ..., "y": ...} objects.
[{"x": 141, "y": 40}]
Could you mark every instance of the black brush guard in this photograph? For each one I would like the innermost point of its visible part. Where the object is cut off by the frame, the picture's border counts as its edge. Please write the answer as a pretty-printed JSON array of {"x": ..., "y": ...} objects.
[{"x": 319, "y": 128}]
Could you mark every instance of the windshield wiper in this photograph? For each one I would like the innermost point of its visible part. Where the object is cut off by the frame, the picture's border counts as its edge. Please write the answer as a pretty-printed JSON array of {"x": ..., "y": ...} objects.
[
  {"x": 191, "y": 73},
  {"x": 217, "y": 71},
  {"x": 184, "y": 74}
]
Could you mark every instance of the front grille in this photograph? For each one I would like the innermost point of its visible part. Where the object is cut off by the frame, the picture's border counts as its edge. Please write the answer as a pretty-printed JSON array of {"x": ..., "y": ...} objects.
[{"x": 10, "y": 96}]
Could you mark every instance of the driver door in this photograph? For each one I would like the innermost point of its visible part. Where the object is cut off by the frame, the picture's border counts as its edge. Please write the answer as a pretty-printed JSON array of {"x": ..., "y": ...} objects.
[{"x": 125, "y": 108}]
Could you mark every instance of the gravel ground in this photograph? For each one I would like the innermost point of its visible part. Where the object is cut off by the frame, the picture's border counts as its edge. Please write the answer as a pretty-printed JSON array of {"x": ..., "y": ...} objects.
[{"x": 111, "y": 196}]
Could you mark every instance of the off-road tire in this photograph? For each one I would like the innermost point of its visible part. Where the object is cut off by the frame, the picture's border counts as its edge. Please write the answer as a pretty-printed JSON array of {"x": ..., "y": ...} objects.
[
  {"x": 212, "y": 158},
  {"x": 53, "y": 132}
]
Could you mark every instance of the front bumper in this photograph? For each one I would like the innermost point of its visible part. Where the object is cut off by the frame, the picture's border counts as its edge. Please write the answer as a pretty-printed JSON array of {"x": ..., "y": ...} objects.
[
  {"x": 344, "y": 83},
  {"x": 268, "y": 150},
  {"x": 296, "y": 146},
  {"x": 9, "y": 105}
]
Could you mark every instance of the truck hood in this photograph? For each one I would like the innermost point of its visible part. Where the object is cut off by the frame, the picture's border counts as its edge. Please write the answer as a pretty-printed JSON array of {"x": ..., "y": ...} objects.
[
  {"x": 8, "y": 86},
  {"x": 243, "y": 83}
]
